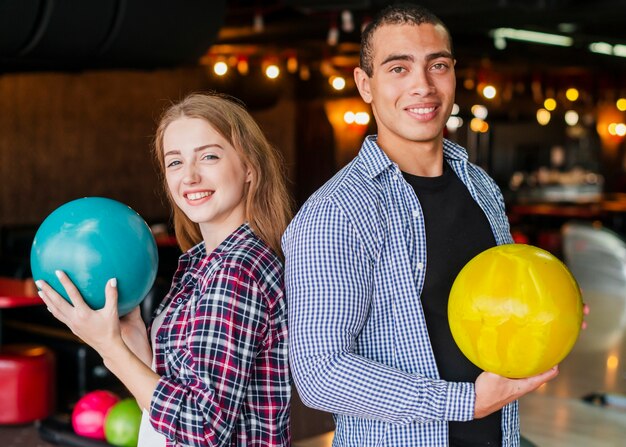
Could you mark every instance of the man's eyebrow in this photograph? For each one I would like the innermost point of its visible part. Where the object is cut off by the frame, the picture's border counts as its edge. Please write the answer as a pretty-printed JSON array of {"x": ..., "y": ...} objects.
[
  {"x": 397, "y": 57},
  {"x": 410, "y": 58},
  {"x": 439, "y": 54}
]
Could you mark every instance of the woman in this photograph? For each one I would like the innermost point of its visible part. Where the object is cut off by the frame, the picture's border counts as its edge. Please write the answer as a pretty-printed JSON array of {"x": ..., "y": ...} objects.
[{"x": 216, "y": 372}]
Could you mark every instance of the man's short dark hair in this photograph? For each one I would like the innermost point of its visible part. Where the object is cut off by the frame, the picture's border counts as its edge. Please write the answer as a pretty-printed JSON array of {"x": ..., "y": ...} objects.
[{"x": 399, "y": 14}]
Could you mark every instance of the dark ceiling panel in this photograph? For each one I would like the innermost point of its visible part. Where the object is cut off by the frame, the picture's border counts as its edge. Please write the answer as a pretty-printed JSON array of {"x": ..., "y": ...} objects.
[{"x": 78, "y": 34}]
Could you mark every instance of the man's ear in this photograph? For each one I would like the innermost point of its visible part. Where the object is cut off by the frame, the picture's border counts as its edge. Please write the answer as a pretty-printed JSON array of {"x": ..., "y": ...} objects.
[{"x": 362, "y": 81}]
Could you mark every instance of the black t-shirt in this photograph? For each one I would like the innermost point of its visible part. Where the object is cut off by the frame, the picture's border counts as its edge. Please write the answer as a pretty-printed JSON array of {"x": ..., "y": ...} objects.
[{"x": 456, "y": 231}]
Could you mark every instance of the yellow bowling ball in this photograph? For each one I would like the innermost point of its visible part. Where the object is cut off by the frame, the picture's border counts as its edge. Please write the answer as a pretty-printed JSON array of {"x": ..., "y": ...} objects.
[{"x": 515, "y": 310}]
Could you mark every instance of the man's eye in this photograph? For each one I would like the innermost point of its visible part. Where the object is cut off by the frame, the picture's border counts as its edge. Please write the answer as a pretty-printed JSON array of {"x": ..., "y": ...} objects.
[{"x": 397, "y": 69}]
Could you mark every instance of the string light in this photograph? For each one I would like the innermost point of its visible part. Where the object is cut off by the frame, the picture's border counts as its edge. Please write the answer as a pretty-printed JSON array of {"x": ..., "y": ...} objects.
[
  {"x": 272, "y": 71},
  {"x": 220, "y": 68},
  {"x": 489, "y": 91},
  {"x": 338, "y": 82},
  {"x": 549, "y": 104},
  {"x": 571, "y": 117},
  {"x": 543, "y": 117},
  {"x": 479, "y": 111},
  {"x": 572, "y": 94}
]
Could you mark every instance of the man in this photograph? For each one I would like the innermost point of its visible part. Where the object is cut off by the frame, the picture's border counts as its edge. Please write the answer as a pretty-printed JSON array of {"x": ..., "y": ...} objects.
[{"x": 371, "y": 257}]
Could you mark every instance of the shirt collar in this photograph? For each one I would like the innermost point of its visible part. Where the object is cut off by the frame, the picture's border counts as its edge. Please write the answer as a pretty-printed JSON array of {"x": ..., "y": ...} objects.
[
  {"x": 198, "y": 251},
  {"x": 375, "y": 160}
]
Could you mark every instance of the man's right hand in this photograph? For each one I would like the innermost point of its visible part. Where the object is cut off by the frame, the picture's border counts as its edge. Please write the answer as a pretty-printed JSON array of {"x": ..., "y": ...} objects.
[{"x": 494, "y": 392}]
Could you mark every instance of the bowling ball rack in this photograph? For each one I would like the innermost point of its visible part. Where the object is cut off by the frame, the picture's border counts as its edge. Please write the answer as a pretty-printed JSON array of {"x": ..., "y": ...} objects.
[{"x": 58, "y": 430}]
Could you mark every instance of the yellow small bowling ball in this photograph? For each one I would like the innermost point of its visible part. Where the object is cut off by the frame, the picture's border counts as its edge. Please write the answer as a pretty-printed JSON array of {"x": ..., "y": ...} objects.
[{"x": 515, "y": 310}]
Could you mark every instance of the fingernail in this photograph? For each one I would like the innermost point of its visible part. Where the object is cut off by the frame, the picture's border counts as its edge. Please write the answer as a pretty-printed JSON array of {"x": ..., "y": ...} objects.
[
  {"x": 113, "y": 282},
  {"x": 39, "y": 283},
  {"x": 58, "y": 273},
  {"x": 40, "y": 293}
]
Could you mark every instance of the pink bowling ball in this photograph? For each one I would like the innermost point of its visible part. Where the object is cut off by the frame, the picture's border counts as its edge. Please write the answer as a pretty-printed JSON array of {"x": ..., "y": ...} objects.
[{"x": 90, "y": 412}]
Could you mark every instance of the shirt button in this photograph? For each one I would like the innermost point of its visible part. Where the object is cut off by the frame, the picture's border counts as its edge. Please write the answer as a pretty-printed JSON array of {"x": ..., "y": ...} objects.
[
  {"x": 395, "y": 176},
  {"x": 420, "y": 265},
  {"x": 179, "y": 300},
  {"x": 159, "y": 338},
  {"x": 416, "y": 213}
]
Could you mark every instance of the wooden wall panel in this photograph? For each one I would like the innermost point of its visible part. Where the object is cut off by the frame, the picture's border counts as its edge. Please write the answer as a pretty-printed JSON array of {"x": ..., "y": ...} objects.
[{"x": 70, "y": 135}]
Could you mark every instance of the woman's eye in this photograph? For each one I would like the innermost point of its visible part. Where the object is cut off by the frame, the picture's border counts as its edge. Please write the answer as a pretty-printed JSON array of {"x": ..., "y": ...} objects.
[
  {"x": 209, "y": 157},
  {"x": 172, "y": 163}
]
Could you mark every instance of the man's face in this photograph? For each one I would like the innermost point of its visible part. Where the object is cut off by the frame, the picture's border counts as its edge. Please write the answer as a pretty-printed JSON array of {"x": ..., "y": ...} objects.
[{"x": 412, "y": 86}]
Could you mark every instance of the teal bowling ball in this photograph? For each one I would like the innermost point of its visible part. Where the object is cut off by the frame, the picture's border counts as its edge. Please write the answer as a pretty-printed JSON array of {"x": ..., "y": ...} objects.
[{"x": 94, "y": 239}]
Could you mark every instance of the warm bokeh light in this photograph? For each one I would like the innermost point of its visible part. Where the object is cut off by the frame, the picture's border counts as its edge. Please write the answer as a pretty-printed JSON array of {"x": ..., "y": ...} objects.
[
  {"x": 571, "y": 94},
  {"x": 220, "y": 68},
  {"x": 571, "y": 117},
  {"x": 454, "y": 123},
  {"x": 305, "y": 73},
  {"x": 478, "y": 125},
  {"x": 489, "y": 92},
  {"x": 455, "y": 109},
  {"x": 543, "y": 116},
  {"x": 621, "y": 104},
  {"x": 549, "y": 104},
  {"x": 479, "y": 111},
  {"x": 272, "y": 71},
  {"x": 292, "y": 64},
  {"x": 349, "y": 117},
  {"x": 243, "y": 67},
  {"x": 362, "y": 118},
  {"x": 337, "y": 82},
  {"x": 620, "y": 129},
  {"x": 612, "y": 361}
]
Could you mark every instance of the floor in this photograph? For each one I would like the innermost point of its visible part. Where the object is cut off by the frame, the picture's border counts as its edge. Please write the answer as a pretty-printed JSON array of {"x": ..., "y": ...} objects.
[{"x": 553, "y": 416}]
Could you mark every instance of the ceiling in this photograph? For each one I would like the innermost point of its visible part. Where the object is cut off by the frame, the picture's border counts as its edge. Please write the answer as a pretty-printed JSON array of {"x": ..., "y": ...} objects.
[
  {"x": 304, "y": 24},
  {"x": 71, "y": 35}
]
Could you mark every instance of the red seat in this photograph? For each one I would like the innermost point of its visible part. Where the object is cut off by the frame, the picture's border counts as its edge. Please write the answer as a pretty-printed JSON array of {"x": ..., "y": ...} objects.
[{"x": 27, "y": 391}]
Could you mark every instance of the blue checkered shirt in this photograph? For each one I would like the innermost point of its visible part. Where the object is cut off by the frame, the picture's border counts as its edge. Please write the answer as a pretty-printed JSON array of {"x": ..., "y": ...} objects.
[{"x": 355, "y": 268}]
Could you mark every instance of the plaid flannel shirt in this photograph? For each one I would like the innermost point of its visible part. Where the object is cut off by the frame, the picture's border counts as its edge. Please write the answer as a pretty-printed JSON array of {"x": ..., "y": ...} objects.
[{"x": 222, "y": 348}]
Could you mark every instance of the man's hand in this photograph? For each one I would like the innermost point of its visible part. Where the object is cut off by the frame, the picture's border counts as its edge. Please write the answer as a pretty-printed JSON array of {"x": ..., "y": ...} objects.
[{"x": 494, "y": 392}]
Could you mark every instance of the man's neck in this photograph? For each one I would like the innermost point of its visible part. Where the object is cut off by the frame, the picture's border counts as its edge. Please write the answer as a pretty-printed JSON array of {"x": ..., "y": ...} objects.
[{"x": 424, "y": 159}]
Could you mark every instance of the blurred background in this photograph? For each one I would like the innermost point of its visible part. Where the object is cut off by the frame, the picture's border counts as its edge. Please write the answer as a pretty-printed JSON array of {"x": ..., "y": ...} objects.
[{"x": 541, "y": 105}]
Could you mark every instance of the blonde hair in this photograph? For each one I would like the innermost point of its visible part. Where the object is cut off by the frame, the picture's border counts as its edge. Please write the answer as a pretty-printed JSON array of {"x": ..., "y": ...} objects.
[{"x": 268, "y": 205}]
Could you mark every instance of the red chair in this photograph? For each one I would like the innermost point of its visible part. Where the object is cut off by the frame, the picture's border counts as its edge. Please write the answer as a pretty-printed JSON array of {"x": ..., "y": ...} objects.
[{"x": 27, "y": 371}]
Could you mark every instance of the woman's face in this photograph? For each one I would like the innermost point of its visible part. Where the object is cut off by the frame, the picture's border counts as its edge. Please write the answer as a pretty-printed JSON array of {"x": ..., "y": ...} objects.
[{"x": 205, "y": 175}]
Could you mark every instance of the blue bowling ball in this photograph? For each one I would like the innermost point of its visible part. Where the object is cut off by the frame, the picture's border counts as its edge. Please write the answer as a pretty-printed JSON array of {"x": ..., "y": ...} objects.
[{"x": 94, "y": 239}]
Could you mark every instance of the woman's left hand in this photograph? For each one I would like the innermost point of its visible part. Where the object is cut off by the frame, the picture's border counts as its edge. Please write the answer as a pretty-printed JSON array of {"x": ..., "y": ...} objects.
[{"x": 100, "y": 329}]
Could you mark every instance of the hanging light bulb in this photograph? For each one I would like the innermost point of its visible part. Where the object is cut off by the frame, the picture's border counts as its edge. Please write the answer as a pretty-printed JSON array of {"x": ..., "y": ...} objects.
[
  {"x": 220, "y": 68},
  {"x": 337, "y": 82},
  {"x": 333, "y": 35},
  {"x": 257, "y": 23},
  {"x": 347, "y": 23}
]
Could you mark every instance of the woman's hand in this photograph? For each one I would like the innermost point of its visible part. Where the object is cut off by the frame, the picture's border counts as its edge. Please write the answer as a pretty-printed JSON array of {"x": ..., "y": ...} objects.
[
  {"x": 100, "y": 329},
  {"x": 135, "y": 335},
  {"x": 494, "y": 392}
]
